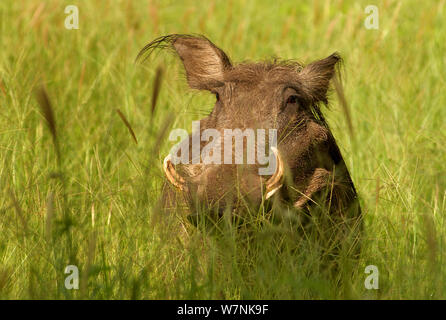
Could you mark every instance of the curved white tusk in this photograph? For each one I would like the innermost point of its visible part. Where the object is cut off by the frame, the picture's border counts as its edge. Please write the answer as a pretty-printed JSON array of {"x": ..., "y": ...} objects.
[
  {"x": 275, "y": 182},
  {"x": 172, "y": 175}
]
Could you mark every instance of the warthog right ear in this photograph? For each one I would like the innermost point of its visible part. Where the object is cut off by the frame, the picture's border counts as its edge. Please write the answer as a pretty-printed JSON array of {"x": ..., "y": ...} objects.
[
  {"x": 316, "y": 78},
  {"x": 204, "y": 62}
]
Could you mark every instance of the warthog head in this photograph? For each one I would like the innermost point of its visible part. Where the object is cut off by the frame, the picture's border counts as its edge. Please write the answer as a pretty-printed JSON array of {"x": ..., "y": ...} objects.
[{"x": 307, "y": 166}]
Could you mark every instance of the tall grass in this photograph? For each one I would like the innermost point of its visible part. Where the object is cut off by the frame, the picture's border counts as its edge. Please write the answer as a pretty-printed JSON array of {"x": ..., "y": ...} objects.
[{"x": 76, "y": 190}]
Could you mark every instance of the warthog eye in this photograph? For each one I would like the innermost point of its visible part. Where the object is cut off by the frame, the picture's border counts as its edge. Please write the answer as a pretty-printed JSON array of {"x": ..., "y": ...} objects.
[
  {"x": 217, "y": 96},
  {"x": 292, "y": 100}
]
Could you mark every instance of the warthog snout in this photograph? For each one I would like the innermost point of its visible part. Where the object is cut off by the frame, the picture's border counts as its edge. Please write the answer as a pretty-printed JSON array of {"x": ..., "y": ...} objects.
[{"x": 222, "y": 184}]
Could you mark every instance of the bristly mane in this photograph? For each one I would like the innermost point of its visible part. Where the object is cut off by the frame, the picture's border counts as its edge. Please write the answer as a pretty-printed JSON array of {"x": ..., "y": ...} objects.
[{"x": 274, "y": 70}]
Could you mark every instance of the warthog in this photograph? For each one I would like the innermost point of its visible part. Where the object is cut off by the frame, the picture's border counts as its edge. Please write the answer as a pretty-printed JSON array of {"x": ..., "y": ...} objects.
[{"x": 283, "y": 95}]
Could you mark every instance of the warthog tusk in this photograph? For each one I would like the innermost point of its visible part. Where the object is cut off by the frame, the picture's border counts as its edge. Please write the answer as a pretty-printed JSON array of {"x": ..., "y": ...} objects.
[
  {"x": 275, "y": 182},
  {"x": 172, "y": 175}
]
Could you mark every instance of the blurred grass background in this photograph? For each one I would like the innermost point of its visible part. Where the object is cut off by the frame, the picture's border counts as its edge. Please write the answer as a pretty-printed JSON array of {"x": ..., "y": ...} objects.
[{"x": 96, "y": 207}]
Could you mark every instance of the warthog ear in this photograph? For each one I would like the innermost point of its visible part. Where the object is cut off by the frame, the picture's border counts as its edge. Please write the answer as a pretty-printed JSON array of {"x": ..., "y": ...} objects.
[
  {"x": 204, "y": 62},
  {"x": 316, "y": 78}
]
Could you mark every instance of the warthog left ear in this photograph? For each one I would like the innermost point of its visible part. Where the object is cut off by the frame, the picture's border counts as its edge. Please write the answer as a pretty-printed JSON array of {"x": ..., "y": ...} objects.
[
  {"x": 316, "y": 77},
  {"x": 203, "y": 61}
]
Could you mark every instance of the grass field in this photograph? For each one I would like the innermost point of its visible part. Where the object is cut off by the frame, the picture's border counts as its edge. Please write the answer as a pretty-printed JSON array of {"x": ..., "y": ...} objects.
[{"x": 95, "y": 205}]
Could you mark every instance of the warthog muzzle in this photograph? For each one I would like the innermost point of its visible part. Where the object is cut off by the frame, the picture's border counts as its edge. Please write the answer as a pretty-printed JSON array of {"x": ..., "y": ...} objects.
[{"x": 272, "y": 184}]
